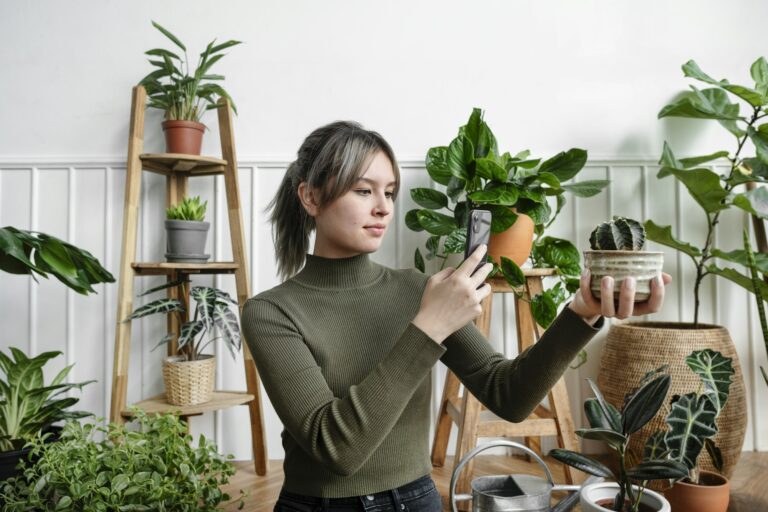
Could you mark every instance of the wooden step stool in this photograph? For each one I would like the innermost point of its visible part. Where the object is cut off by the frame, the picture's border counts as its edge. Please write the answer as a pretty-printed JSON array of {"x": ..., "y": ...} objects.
[{"x": 465, "y": 411}]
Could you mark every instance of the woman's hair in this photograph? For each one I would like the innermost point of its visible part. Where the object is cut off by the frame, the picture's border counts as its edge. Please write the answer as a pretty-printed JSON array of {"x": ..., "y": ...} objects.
[{"x": 330, "y": 160}]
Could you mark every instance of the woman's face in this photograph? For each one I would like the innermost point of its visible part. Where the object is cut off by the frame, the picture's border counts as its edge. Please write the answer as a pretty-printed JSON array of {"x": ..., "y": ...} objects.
[{"x": 355, "y": 223}]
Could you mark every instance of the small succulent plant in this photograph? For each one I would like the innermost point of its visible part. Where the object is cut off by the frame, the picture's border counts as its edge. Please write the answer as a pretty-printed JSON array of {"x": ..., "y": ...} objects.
[{"x": 619, "y": 234}]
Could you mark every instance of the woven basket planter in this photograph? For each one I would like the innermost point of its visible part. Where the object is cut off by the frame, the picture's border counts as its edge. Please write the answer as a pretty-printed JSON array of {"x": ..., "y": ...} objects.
[
  {"x": 634, "y": 348},
  {"x": 189, "y": 382}
]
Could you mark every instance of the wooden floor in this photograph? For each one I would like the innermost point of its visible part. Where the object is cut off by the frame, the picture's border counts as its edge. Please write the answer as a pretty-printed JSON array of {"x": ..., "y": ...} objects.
[{"x": 749, "y": 486}]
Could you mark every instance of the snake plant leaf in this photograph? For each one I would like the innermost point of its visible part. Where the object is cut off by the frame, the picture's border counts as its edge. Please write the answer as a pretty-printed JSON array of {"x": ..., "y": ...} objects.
[
  {"x": 691, "y": 421},
  {"x": 715, "y": 371},
  {"x": 655, "y": 447},
  {"x": 609, "y": 411},
  {"x": 159, "y": 306},
  {"x": 658, "y": 470},
  {"x": 642, "y": 405},
  {"x": 582, "y": 463},
  {"x": 663, "y": 235}
]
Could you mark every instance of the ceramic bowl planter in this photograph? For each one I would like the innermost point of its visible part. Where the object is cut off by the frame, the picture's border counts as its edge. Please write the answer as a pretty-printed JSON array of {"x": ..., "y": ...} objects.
[
  {"x": 712, "y": 494},
  {"x": 184, "y": 137},
  {"x": 187, "y": 231},
  {"x": 515, "y": 242},
  {"x": 617, "y": 252},
  {"x": 599, "y": 498}
]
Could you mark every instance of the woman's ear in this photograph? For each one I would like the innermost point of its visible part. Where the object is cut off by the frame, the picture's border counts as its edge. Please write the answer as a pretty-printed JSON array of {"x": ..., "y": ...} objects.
[{"x": 308, "y": 199}]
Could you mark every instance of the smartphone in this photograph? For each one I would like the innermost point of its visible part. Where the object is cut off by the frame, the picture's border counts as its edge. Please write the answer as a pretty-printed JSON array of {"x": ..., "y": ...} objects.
[{"x": 478, "y": 232}]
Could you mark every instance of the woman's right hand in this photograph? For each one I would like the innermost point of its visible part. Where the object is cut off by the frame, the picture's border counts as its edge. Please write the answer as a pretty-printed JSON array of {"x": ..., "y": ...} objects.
[{"x": 452, "y": 299}]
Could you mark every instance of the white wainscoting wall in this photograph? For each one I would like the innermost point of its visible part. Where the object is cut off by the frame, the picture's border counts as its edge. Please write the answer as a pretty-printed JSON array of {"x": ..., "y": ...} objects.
[{"x": 81, "y": 201}]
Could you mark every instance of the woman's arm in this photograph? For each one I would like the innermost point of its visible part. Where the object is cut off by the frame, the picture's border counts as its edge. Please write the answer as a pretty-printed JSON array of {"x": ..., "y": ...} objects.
[
  {"x": 340, "y": 433},
  {"x": 512, "y": 388}
]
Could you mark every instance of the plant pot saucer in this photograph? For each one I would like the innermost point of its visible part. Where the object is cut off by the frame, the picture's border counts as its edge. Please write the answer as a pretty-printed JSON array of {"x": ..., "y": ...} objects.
[{"x": 186, "y": 258}]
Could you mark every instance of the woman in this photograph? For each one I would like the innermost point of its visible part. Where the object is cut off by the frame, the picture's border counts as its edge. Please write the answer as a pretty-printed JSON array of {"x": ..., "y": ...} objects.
[{"x": 345, "y": 346}]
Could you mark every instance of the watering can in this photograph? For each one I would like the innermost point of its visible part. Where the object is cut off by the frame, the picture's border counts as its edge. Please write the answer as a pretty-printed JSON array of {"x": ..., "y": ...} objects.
[{"x": 508, "y": 493}]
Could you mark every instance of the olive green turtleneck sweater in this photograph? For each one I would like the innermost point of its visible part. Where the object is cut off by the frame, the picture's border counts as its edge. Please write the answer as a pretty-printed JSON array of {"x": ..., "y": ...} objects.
[{"x": 349, "y": 374}]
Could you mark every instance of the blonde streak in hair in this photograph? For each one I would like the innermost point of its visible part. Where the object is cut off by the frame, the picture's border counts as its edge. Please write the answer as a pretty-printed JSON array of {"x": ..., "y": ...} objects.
[{"x": 290, "y": 233}]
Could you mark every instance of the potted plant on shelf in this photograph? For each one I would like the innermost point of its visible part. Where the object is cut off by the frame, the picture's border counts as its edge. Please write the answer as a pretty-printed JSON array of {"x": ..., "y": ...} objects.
[
  {"x": 691, "y": 425},
  {"x": 516, "y": 189},
  {"x": 156, "y": 467},
  {"x": 186, "y": 231},
  {"x": 608, "y": 424},
  {"x": 656, "y": 342},
  {"x": 189, "y": 376},
  {"x": 617, "y": 251},
  {"x": 184, "y": 95},
  {"x": 29, "y": 406}
]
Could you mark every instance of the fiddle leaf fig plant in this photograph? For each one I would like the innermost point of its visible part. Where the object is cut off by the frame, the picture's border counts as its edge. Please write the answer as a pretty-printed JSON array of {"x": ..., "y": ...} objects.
[
  {"x": 476, "y": 174},
  {"x": 615, "y": 428},
  {"x": 714, "y": 193},
  {"x": 28, "y": 405},
  {"x": 174, "y": 88}
]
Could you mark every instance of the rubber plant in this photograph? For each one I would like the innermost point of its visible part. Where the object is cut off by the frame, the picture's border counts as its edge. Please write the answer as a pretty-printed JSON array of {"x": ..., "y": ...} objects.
[
  {"x": 615, "y": 428},
  {"x": 474, "y": 173},
  {"x": 718, "y": 192}
]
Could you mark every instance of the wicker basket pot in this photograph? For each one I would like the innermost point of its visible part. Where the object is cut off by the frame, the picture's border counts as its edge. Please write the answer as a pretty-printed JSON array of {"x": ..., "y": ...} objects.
[
  {"x": 189, "y": 382},
  {"x": 634, "y": 348}
]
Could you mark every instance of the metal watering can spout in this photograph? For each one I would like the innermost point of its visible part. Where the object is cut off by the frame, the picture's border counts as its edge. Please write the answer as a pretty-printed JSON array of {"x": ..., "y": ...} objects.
[{"x": 507, "y": 493}]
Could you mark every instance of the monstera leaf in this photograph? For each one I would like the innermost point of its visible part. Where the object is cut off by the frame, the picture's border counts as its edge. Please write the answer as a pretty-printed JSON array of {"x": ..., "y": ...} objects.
[{"x": 691, "y": 421}]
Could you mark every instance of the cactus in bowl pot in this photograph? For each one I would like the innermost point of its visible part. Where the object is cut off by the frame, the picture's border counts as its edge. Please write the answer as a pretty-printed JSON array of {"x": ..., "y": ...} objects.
[{"x": 617, "y": 251}]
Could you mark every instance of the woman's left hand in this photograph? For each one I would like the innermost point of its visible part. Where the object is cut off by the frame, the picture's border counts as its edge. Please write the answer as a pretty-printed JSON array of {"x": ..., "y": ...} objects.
[{"x": 588, "y": 307}]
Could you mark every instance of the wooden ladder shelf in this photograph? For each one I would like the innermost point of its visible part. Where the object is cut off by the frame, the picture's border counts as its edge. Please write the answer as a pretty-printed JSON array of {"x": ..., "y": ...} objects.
[
  {"x": 178, "y": 169},
  {"x": 465, "y": 411}
]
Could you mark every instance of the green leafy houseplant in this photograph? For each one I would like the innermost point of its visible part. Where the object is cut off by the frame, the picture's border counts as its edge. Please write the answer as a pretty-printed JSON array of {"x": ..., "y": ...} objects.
[
  {"x": 28, "y": 405},
  {"x": 34, "y": 253},
  {"x": 692, "y": 419},
  {"x": 475, "y": 174},
  {"x": 174, "y": 88},
  {"x": 713, "y": 192},
  {"x": 615, "y": 428},
  {"x": 617, "y": 251},
  {"x": 759, "y": 297},
  {"x": 154, "y": 468},
  {"x": 212, "y": 313},
  {"x": 189, "y": 208}
]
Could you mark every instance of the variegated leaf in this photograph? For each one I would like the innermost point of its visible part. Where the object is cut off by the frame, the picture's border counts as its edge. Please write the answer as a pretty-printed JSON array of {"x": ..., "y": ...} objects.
[
  {"x": 691, "y": 421},
  {"x": 715, "y": 371},
  {"x": 229, "y": 326},
  {"x": 163, "y": 306},
  {"x": 205, "y": 298}
]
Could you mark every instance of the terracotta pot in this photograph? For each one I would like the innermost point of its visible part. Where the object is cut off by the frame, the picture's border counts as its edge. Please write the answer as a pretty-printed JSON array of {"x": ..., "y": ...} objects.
[
  {"x": 515, "y": 243},
  {"x": 634, "y": 348},
  {"x": 184, "y": 137},
  {"x": 642, "y": 265},
  {"x": 710, "y": 495}
]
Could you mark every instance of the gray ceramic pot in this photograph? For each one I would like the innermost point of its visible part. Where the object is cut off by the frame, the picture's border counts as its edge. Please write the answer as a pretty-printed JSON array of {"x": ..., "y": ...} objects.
[{"x": 186, "y": 241}]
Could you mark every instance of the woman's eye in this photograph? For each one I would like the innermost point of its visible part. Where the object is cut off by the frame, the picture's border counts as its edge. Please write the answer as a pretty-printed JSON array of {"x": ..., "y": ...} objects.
[
  {"x": 363, "y": 191},
  {"x": 390, "y": 194}
]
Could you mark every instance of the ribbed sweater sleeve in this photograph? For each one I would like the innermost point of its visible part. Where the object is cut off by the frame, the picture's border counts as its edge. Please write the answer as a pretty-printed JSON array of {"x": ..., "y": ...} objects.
[
  {"x": 512, "y": 388},
  {"x": 339, "y": 433}
]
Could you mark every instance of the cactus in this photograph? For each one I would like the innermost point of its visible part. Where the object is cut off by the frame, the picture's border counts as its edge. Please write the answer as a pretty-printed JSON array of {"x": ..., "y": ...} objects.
[{"x": 620, "y": 234}]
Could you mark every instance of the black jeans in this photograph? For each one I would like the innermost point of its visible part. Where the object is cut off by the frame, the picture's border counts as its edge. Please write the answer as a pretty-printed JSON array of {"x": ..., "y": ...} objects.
[{"x": 418, "y": 496}]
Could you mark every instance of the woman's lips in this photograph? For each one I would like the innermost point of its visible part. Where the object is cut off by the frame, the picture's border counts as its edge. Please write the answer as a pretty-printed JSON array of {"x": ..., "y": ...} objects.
[{"x": 375, "y": 230}]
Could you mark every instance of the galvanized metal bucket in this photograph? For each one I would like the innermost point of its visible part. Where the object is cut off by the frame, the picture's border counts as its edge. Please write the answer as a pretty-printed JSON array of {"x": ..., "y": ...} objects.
[{"x": 507, "y": 493}]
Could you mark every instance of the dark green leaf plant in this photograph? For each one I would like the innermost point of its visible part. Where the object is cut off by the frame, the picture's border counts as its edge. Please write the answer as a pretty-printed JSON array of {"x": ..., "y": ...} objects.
[
  {"x": 715, "y": 193},
  {"x": 29, "y": 406},
  {"x": 153, "y": 468},
  {"x": 175, "y": 88},
  {"x": 213, "y": 315},
  {"x": 614, "y": 427},
  {"x": 475, "y": 174}
]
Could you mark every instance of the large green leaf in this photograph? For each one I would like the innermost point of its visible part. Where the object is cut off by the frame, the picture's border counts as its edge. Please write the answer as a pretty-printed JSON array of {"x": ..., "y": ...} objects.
[
  {"x": 643, "y": 404},
  {"x": 582, "y": 463},
  {"x": 565, "y": 165},
  {"x": 698, "y": 160},
  {"x": 704, "y": 104},
  {"x": 455, "y": 242},
  {"x": 715, "y": 371},
  {"x": 502, "y": 217},
  {"x": 759, "y": 72},
  {"x": 609, "y": 412},
  {"x": 437, "y": 165},
  {"x": 512, "y": 272},
  {"x": 663, "y": 235},
  {"x": 159, "y": 306},
  {"x": 586, "y": 188},
  {"x": 412, "y": 220},
  {"x": 614, "y": 439},
  {"x": 596, "y": 416},
  {"x": 738, "y": 278},
  {"x": 691, "y": 420},
  {"x": 488, "y": 168},
  {"x": 749, "y": 95},
  {"x": 544, "y": 308},
  {"x": 170, "y": 36},
  {"x": 460, "y": 151},
  {"x": 759, "y": 138},
  {"x": 658, "y": 470},
  {"x": 429, "y": 198},
  {"x": 692, "y": 70},
  {"x": 559, "y": 253},
  {"x": 753, "y": 201},
  {"x": 505, "y": 194},
  {"x": 704, "y": 186},
  {"x": 436, "y": 223},
  {"x": 205, "y": 297},
  {"x": 227, "y": 322}
]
